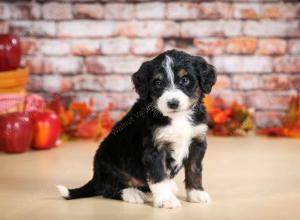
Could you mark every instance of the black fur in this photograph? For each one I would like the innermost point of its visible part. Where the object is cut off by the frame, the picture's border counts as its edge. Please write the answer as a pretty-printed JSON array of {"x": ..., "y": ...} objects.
[{"x": 128, "y": 156}]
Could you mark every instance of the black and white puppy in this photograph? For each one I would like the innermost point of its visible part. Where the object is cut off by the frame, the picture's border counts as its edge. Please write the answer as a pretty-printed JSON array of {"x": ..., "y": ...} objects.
[{"x": 164, "y": 131}]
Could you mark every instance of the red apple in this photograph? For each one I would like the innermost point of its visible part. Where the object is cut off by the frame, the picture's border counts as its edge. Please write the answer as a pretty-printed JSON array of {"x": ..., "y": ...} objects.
[
  {"x": 16, "y": 132},
  {"x": 46, "y": 129},
  {"x": 33, "y": 103},
  {"x": 10, "y": 52}
]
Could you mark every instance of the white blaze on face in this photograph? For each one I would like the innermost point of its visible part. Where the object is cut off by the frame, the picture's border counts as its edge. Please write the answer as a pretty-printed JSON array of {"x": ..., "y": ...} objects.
[
  {"x": 168, "y": 68},
  {"x": 172, "y": 92}
]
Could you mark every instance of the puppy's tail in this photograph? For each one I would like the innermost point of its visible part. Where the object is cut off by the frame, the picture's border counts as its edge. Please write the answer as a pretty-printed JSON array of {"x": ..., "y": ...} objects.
[{"x": 86, "y": 190}]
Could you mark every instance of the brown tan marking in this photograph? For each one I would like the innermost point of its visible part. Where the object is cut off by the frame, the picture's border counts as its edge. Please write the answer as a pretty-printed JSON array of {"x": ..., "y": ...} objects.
[{"x": 182, "y": 73}]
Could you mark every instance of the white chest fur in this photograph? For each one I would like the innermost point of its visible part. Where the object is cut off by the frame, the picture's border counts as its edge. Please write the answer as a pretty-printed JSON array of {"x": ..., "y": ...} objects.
[{"x": 179, "y": 133}]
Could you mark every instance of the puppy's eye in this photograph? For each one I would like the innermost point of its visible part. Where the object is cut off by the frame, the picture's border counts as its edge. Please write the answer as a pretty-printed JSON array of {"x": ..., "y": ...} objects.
[
  {"x": 157, "y": 83},
  {"x": 184, "y": 81}
]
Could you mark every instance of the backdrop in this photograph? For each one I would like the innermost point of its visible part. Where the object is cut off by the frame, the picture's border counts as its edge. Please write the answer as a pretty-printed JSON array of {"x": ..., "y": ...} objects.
[{"x": 89, "y": 48}]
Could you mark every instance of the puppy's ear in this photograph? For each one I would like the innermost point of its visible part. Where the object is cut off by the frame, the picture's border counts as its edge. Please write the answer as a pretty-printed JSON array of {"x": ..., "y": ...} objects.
[
  {"x": 140, "y": 80},
  {"x": 206, "y": 74}
]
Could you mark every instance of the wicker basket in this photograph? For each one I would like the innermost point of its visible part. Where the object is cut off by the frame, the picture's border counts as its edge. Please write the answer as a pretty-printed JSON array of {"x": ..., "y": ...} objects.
[
  {"x": 14, "y": 81},
  {"x": 13, "y": 89}
]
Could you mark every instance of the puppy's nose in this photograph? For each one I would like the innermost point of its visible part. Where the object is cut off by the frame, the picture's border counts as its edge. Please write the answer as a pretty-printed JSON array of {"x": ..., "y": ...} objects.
[{"x": 173, "y": 104}]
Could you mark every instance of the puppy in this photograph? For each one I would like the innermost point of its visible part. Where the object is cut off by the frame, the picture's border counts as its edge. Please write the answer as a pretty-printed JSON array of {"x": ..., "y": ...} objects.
[{"x": 164, "y": 131}]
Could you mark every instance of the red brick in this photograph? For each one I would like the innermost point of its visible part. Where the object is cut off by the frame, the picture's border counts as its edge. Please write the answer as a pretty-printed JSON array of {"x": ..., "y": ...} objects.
[
  {"x": 120, "y": 101},
  {"x": 266, "y": 28},
  {"x": 119, "y": 11},
  {"x": 56, "y": 84},
  {"x": 115, "y": 46},
  {"x": 287, "y": 64},
  {"x": 293, "y": 28},
  {"x": 180, "y": 44},
  {"x": 88, "y": 11},
  {"x": 268, "y": 119},
  {"x": 230, "y": 96},
  {"x": 215, "y": 10},
  {"x": 29, "y": 45},
  {"x": 276, "y": 82},
  {"x": 34, "y": 83},
  {"x": 34, "y": 28},
  {"x": 38, "y": 65},
  {"x": 269, "y": 100},
  {"x": 222, "y": 83},
  {"x": 108, "y": 83},
  {"x": 296, "y": 82},
  {"x": 182, "y": 10},
  {"x": 209, "y": 46},
  {"x": 4, "y": 11},
  {"x": 58, "y": 64},
  {"x": 117, "y": 65},
  {"x": 87, "y": 82},
  {"x": 246, "y": 11},
  {"x": 280, "y": 11},
  {"x": 85, "y": 47},
  {"x": 241, "y": 45},
  {"x": 150, "y": 29},
  {"x": 4, "y": 27},
  {"x": 272, "y": 46},
  {"x": 57, "y": 11},
  {"x": 210, "y": 28},
  {"x": 150, "y": 10},
  {"x": 273, "y": 11},
  {"x": 118, "y": 83},
  {"x": 294, "y": 47},
  {"x": 245, "y": 81},
  {"x": 88, "y": 28},
  {"x": 26, "y": 10},
  {"x": 55, "y": 47},
  {"x": 243, "y": 64},
  {"x": 147, "y": 47}
]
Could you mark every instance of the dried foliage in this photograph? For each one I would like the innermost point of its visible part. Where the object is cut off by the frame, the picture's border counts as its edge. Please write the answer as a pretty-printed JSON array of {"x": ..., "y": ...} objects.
[
  {"x": 234, "y": 119},
  {"x": 79, "y": 121},
  {"x": 290, "y": 124}
]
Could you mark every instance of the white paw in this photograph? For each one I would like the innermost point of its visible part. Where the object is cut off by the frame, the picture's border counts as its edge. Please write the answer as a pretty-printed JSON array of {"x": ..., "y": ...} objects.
[
  {"x": 198, "y": 196},
  {"x": 133, "y": 195},
  {"x": 167, "y": 201},
  {"x": 173, "y": 186}
]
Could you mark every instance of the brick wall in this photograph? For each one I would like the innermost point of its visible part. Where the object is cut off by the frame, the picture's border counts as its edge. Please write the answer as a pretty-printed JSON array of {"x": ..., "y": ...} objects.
[{"x": 89, "y": 48}]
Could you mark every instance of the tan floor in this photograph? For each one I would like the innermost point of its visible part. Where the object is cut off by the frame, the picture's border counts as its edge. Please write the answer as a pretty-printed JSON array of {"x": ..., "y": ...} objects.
[{"x": 248, "y": 178}]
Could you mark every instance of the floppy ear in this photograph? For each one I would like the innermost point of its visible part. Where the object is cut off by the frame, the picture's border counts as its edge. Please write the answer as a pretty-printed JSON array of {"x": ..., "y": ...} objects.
[
  {"x": 140, "y": 80},
  {"x": 206, "y": 74}
]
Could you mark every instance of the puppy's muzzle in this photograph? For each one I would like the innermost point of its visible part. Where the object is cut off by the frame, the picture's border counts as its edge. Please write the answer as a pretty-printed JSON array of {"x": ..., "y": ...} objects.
[{"x": 173, "y": 104}]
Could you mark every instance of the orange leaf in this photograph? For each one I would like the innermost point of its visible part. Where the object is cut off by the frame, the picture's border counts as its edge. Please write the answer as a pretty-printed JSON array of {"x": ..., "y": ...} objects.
[
  {"x": 292, "y": 113},
  {"x": 90, "y": 129},
  {"x": 66, "y": 117},
  {"x": 83, "y": 109}
]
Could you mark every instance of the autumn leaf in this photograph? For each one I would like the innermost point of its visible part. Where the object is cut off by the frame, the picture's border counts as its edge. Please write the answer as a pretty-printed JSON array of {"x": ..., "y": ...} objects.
[
  {"x": 290, "y": 124},
  {"x": 90, "y": 129},
  {"x": 228, "y": 119},
  {"x": 83, "y": 109}
]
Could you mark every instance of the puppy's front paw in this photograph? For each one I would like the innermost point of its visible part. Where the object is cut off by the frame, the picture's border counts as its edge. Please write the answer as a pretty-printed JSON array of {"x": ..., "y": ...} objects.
[
  {"x": 167, "y": 201},
  {"x": 198, "y": 196},
  {"x": 133, "y": 195},
  {"x": 173, "y": 186}
]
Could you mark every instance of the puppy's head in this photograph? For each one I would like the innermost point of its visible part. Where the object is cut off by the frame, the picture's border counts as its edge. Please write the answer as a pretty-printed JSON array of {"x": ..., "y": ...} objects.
[{"x": 174, "y": 81}]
